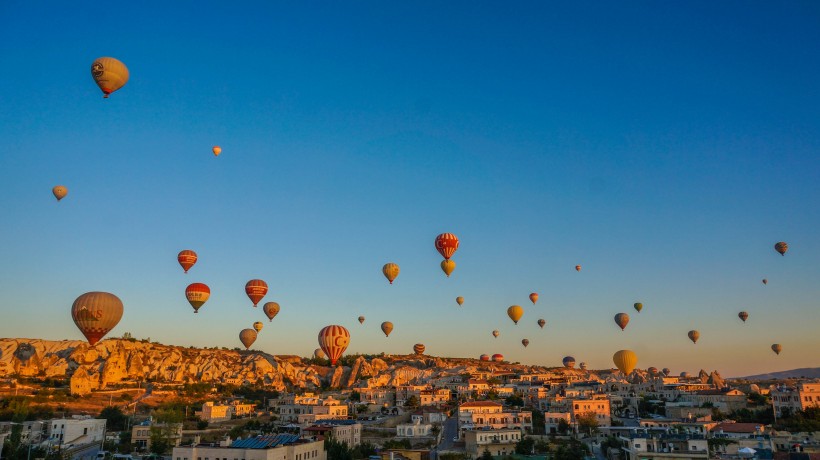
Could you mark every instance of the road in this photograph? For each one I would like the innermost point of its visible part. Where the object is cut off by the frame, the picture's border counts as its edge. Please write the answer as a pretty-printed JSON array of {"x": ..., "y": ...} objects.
[{"x": 449, "y": 431}]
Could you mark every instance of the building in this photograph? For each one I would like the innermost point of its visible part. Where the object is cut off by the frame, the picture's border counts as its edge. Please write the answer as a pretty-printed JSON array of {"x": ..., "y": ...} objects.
[
  {"x": 404, "y": 454},
  {"x": 31, "y": 431},
  {"x": 726, "y": 400},
  {"x": 417, "y": 429},
  {"x": 553, "y": 419},
  {"x": 498, "y": 442},
  {"x": 75, "y": 431},
  {"x": 308, "y": 409},
  {"x": 658, "y": 446},
  {"x": 141, "y": 434},
  {"x": 346, "y": 431},
  {"x": 797, "y": 398},
  {"x": 215, "y": 412},
  {"x": 742, "y": 435},
  {"x": 598, "y": 406},
  {"x": 427, "y": 415},
  {"x": 270, "y": 447},
  {"x": 489, "y": 414}
]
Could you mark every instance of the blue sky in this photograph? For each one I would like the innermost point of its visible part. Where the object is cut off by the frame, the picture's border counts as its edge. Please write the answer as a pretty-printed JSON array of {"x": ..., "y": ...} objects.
[{"x": 665, "y": 148}]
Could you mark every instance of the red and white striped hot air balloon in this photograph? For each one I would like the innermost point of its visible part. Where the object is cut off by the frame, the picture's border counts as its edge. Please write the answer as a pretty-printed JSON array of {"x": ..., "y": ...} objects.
[
  {"x": 96, "y": 313},
  {"x": 256, "y": 290},
  {"x": 186, "y": 259},
  {"x": 197, "y": 294},
  {"x": 334, "y": 340},
  {"x": 446, "y": 244}
]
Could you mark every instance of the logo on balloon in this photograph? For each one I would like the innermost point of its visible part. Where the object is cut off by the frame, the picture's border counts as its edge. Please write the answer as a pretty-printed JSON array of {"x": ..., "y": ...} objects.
[{"x": 97, "y": 69}]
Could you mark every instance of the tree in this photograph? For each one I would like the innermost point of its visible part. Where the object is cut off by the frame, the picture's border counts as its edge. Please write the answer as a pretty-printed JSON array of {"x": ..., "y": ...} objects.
[
  {"x": 162, "y": 433},
  {"x": 542, "y": 446},
  {"x": 514, "y": 400},
  {"x": 486, "y": 455},
  {"x": 115, "y": 418},
  {"x": 525, "y": 446},
  {"x": 355, "y": 396},
  {"x": 611, "y": 442},
  {"x": 397, "y": 444},
  {"x": 337, "y": 450},
  {"x": 412, "y": 402},
  {"x": 364, "y": 450},
  {"x": 538, "y": 422},
  {"x": 588, "y": 423},
  {"x": 563, "y": 426}
]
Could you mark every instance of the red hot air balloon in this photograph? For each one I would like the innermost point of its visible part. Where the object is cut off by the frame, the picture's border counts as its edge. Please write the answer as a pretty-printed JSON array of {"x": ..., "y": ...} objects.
[
  {"x": 484, "y": 358},
  {"x": 446, "y": 244},
  {"x": 498, "y": 357},
  {"x": 534, "y": 297},
  {"x": 186, "y": 259},
  {"x": 418, "y": 348},
  {"x": 95, "y": 314},
  {"x": 334, "y": 340},
  {"x": 256, "y": 290},
  {"x": 621, "y": 319},
  {"x": 197, "y": 294}
]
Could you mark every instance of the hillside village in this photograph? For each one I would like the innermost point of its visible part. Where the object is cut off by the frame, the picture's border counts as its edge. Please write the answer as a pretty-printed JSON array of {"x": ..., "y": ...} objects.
[{"x": 130, "y": 398}]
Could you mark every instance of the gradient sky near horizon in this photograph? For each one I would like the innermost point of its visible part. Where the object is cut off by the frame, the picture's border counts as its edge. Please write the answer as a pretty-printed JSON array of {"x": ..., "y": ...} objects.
[{"x": 663, "y": 146}]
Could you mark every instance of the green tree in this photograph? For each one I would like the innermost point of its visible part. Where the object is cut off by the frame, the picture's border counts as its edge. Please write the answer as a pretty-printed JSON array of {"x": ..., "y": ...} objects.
[
  {"x": 168, "y": 420},
  {"x": 525, "y": 446},
  {"x": 397, "y": 444},
  {"x": 486, "y": 455},
  {"x": 542, "y": 446},
  {"x": 337, "y": 450},
  {"x": 355, "y": 396},
  {"x": 364, "y": 450},
  {"x": 538, "y": 422},
  {"x": 588, "y": 423},
  {"x": 611, "y": 442},
  {"x": 563, "y": 426},
  {"x": 412, "y": 402},
  {"x": 514, "y": 400},
  {"x": 115, "y": 418}
]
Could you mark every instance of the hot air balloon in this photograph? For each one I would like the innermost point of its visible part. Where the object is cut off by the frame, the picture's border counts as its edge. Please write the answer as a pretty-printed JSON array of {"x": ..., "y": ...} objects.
[
  {"x": 583, "y": 366},
  {"x": 542, "y": 322},
  {"x": 777, "y": 348},
  {"x": 186, "y": 259},
  {"x": 666, "y": 371},
  {"x": 685, "y": 375},
  {"x": 59, "y": 191},
  {"x": 515, "y": 313},
  {"x": 484, "y": 358},
  {"x": 256, "y": 289},
  {"x": 525, "y": 342},
  {"x": 318, "y": 353},
  {"x": 569, "y": 362},
  {"x": 495, "y": 333},
  {"x": 743, "y": 315},
  {"x": 652, "y": 370},
  {"x": 257, "y": 326},
  {"x": 418, "y": 349},
  {"x": 391, "y": 271},
  {"x": 638, "y": 306},
  {"x": 446, "y": 245},
  {"x": 96, "y": 313},
  {"x": 361, "y": 319},
  {"x": 781, "y": 247},
  {"x": 447, "y": 266},
  {"x": 622, "y": 319},
  {"x": 109, "y": 74},
  {"x": 577, "y": 268},
  {"x": 694, "y": 336},
  {"x": 765, "y": 281},
  {"x": 498, "y": 357},
  {"x": 247, "y": 337},
  {"x": 534, "y": 297},
  {"x": 387, "y": 328},
  {"x": 271, "y": 309},
  {"x": 334, "y": 340},
  {"x": 625, "y": 361},
  {"x": 197, "y": 294},
  {"x": 217, "y": 150},
  {"x": 460, "y": 300}
]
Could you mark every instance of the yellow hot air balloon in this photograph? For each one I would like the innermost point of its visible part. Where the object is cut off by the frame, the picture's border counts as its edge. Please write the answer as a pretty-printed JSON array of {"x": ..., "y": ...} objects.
[
  {"x": 110, "y": 74},
  {"x": 361, "y": 319},
  {"x": 625, "y": 361},
  {"x": 694, "y": 336},
  {"x": 59, "y": 192},
  {"x": 621, "y": 319},
  {"x": 247, "y": 337},
  {"x": 777, "y": 348},
  {"x": 460, "y": 300},
  {"x": 496, "y": 333},
  {"x": 257, "y": 326},
  {"x": 534, "y": 297},
  {"x": 217, "y": 150},
  {"x": 447, "y": 266},
  {"x": 96, "y": 313},
  {"x": 387, "y": 328},
  {"x": 515, "y": 313},
  {"x": 391, "y": 271}
]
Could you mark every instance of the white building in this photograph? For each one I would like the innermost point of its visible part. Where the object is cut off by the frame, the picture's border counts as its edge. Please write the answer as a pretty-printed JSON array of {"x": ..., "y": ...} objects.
[
  {"x": 76, "y": 431},
  {"x": 498, "y": 442},
  {"x": 270, "y": 447},
  {"x": 414, "y": 430}
]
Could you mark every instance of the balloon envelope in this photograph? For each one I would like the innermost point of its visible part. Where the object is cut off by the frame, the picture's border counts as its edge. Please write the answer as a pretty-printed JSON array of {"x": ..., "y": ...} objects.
[
  {"x": 197, "y": 294},
  {"x": 777, "y": 348},
  {"x": 484, "y": 358},
  {"x": 583, "y": 366},
  {"x": 625, "y": 361},
  {"x": 95, "y": 314},
  {"x": 743, "y": 316},
  {"x": 495, "y": 334},
  {"x": 334, "y": 340},
  {"x": 59, "y": 191},
  {"x": 256, "y": 290},
  {"x": 418, "y": 348},
  {"x": 781, "y": 247},
  {"x": 447, "y": 266},
  {"x": 694, "y": 336},
  {"x": 534, "y": 297},
  {"x": 361, "y": 319},
  {"x": 446, "y": 245},
  {"x": 666, "y": 371},
  {"x": 387, "y": 328},
  {"x": 525, "y": 342},
  {"x": 765, "y": 281},
  {"x": 638, "y": 306},
  {"x": 247, "y": 337},
  {"x": 110, "y": 74},
  {"x": 542, "y": 322},
  {"x": 318, "y": 353},
  {"x": 460, "y": 300},
  {"x": 498, "y": 357},
  {"x": 257, "y": 326},
  {"x": 271, "y": 309},
  {"x": 577, "y": 268},
  {"x": 622, "y": 319},
  {"x": 217, "y": 150},
  {"x": 515, "y": 313},
  {"x": 390, "y": 271},
  {"x": 187, "y": 259},
  {"x": 569, "y": 362}
]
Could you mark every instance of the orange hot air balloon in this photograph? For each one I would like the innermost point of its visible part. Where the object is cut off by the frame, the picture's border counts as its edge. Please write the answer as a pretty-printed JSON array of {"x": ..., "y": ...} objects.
[
  {"x": 271, "y": 309},
  {"x": 777, "y": 348},
  {"x": 59, "y": 192},
  {"x": 387, "y": 328},
  {"x": 186, "y": 259},
  {"x": 577, "y": 268},
  {"x": 247, "y": 337},
  {"x": 525, "y": 342},
  {"x": 498, "y": 357},
  {"x": 197, "y": 294},
  {"x": 622, "y": 319},
  {"x": 781, "y": 247},
  {"x": 515, "y": 313},
  {"x": 334, "y": 340},
  {"x": 390, "y": 271},
  {"x": 743, "y": 316},
  {"x": 496, "y": 333},
  {"x": 256, "y": 289},
  {"x": 95, "y": 314},
  {"x": 110, "y": 74},
  {"x": 418, "y": 348},
  {"x": 361, "y": 319},
  {"x": 542, "y": 322},
  {"x": 625, "y": 361},
  {"x": 765, "y": 281},
  {"x": 484, "y": 358},
  {"x": 446, "y": 245},
  {"x": 447, "y": 266},
  {"x": 694, "y": 336},
  {"x": 534, "y": 297},
  {"x": 257, "y": 326},
  {"x": 318, "y": 353},
  {"x": 217, "y": 150},
  {"x": 460, "y": 301}
]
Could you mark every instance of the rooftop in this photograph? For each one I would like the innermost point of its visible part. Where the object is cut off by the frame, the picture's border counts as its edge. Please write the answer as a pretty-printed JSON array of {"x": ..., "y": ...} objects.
[
  {"x": 265, "y": 442},
  {"x": 737, "y": 427}
]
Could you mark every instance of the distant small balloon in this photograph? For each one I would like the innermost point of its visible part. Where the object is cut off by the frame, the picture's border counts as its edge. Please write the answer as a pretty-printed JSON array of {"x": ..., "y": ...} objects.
[
  {"x": 625, "y": 361},
  {"x": 110, "y": 74},
  {"x": 765, "y": 281},
  {"x": 534, "y": 297},
  {"x": 247, "y": 337},
  {"x": 257, "y": 326},
  {"x": 95, "y": 314},
  {"x": 498, "y": 358},
  {"x": 446, "y": 244},
  {"x": 781, "y": 247},
  {"x": 542, "y": 322},
  {"x": 59, "y": 191},
  {"x": 525, "y": 342},
  {"x": 495, "y": 334},
  {"x": 569, "y": 362},
  {"x": 271, "y": 309},
  {"x": 515, "y": 313},
  {"x": 186, "y": 258},
  {"x": 256, "y": 290},
  {"x": 583, "y": 366},
  {"x": 334, "y": 340},
  {"x": 743, "y": 316},
  {"x": 666, "y": 371},
  {"x": 390, "y": 271},
  {"x": 447, "y": 266},
  {"x": 318, "y": 353},
  {"x": 577, "y": 268},
  {"x": 418, "y": 348},
  {"x": 217, "y": 150},
  {"x": 777, "y": 348},
  {"x": 622, "y": 319},
  {"x": 484, "y": 358},
  {"x": 638, "y": 306},
  {"x": 460, "y": 300},
  {"x": 387, "y": 328},
  {"x": 694, "y": 336},
  {"x": 361, "y": 319},
  {"x": 197, "y": 294}
]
